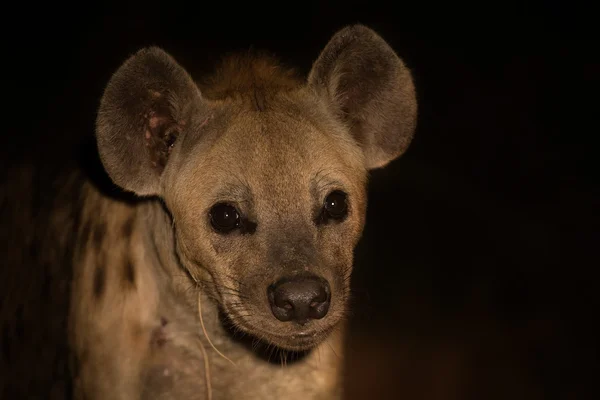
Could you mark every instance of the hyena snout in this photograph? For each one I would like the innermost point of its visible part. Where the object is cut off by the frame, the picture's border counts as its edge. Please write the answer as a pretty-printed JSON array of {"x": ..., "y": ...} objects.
[{"x": 299, "y": 299}]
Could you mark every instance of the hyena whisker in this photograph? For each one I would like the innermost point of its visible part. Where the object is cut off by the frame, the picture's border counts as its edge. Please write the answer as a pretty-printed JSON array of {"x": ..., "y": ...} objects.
[
  {"x": 221, "y": 285},
  {"x": 319, "y": 355},
  {"x": 271, "y": 350},
  {"x": 237, "y": 304},
  {"x": 206, "y": 370},
  {"x": 255, "y": 343},
  {"x": 234, "y": 279},
  {"x": 332, "y": 349},
  {"x": 190, "y": 288},
  {"x": 206, "y": 333},
  {"x": 242, "y": 313},
  {"x": 248, "y": 315},
  {"x": 224, "y": 288},
  {"x": 235, "y": 295}
]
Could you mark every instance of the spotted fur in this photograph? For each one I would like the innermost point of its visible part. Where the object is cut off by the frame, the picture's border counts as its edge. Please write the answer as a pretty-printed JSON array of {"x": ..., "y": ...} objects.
[{"x": 152, "y": 303}]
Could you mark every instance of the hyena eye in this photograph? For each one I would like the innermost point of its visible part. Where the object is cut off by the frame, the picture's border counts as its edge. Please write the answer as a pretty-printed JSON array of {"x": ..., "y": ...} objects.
[
  {"x": 336, "y": 205},
  {"x": 224, "y": 217}
]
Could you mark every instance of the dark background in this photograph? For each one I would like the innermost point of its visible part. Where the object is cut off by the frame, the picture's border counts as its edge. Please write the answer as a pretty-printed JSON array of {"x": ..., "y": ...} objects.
[{"x": 476, "y": 275}]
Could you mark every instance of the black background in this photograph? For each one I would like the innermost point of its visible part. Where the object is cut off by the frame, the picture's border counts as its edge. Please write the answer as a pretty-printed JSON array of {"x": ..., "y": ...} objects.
[{"x": 476, "y": 274}]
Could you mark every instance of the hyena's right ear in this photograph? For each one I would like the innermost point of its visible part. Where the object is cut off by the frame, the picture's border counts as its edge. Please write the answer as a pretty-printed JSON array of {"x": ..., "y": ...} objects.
[{"x": 145, "y": 108}]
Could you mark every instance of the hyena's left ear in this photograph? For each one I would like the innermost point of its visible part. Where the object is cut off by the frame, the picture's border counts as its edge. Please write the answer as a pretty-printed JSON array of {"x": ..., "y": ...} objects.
[
  {"x": 149, "y": 102},
  {"x": 370, "y": 89}
]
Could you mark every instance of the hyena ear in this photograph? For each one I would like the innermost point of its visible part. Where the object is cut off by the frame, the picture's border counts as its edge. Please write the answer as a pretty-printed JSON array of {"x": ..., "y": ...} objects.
[
  {"x": 145, "y": 107},
  {"x": 370, "y": 89}
]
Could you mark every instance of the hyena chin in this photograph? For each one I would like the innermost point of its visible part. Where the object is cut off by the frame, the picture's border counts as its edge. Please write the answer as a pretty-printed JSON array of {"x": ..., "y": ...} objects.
[{"x": 246, "y": 196}]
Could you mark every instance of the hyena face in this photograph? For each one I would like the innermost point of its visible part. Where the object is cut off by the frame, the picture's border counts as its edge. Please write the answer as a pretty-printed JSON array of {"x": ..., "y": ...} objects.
[
  {"x": 268, "y": 216},
  {"x": 264, "y": 174}
]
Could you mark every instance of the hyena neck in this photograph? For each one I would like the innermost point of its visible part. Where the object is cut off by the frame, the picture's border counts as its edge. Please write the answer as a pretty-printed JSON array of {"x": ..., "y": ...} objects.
[{"x": 179, "y": 291}]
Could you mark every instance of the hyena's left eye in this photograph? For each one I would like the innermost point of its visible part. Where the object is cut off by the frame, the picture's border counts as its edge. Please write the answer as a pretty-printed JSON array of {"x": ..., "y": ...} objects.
[
  {"x": 224, "y": 217},
  {"x": 336, "y": 205}
]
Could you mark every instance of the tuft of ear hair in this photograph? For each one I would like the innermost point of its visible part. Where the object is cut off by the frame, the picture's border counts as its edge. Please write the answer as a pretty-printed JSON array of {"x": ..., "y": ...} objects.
[
  {"x": 370, "y": 89},
  {"x": 145, "y": 107}
]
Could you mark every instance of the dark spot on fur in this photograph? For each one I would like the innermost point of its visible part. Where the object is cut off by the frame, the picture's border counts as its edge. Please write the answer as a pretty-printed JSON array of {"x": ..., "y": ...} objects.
[
  {"x": 128, "y": 227},
  {"x": 159, "y": 338},
  {"x": 6, "y": 344},
  {"x": 163, "y": 321},
  {"x": 130, "y": 272},
  {"x": 99, "y": 281},
  {"x": 99, "y": 232},
  {"x": 85, "y": 231}
]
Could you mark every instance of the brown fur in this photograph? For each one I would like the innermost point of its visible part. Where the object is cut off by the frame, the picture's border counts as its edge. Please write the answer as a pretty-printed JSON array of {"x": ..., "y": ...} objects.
[
  {"x": 257, "y": 136},
  {"x": 253, "y": 76}
]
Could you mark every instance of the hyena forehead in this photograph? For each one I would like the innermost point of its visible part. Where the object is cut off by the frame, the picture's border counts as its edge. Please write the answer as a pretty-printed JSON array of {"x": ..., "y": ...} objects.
[{"x": 289, "y": 150}]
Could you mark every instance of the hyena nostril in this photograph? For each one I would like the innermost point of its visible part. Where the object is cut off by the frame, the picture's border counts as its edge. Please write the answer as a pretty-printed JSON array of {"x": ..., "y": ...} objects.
[{"x": 299, "y": 299}]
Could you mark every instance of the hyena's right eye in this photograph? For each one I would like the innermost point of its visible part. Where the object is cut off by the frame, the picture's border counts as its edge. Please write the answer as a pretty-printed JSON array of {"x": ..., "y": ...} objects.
[{"x": 224, "y": 217}]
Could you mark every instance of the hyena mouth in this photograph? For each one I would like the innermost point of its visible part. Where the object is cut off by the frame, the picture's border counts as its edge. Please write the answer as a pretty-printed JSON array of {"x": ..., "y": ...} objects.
[
  {"x": 303, "y": 341},
  {"x": 267, "y": 343},
  {"x": 295, "y": 313}
]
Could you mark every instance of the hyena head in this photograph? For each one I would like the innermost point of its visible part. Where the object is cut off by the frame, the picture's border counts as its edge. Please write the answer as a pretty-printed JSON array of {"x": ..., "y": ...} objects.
[{"x": 263, "y": 173}]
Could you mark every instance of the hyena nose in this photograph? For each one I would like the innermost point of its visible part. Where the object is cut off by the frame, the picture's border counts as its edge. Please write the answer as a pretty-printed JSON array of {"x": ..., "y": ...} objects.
[{"x": 299, "y": 299}]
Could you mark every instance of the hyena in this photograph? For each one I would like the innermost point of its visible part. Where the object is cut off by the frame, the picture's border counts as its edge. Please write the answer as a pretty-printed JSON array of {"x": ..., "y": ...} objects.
[{"x": 219, "y": 263}]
